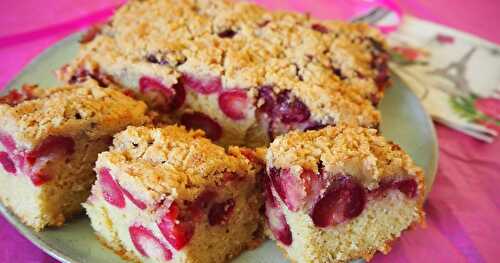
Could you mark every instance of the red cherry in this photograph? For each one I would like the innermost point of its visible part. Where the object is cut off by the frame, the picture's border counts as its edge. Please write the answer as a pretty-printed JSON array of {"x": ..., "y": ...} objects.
[
  {"x": 290, "y": 109},
  {"x": 201, "y": 204},
  {"x": 313, "y": 184},
  {"x": 8, "y": 142},
  {"x": 201, "y": 121},
  {"x": 15, "y": 97},
  {"x": 50, "y": 145},
  {"x": 320, "y": 28},
  {"x": 274, "y": 216},
  {"x": 228, "y": 33},
  {"x": 382, "y": 77},
  {"x": 148, "y": 83},
  {"x": 39, "y": 178},
  {"x": 267, "y": 95},
  {"x": 327, "y": 212},
  {"x": 82, "y": 74},
  {"x": 205, "y": 86},
  {"x": 234, "y": 103},
  {"x": 381, "y": 189},
  {"x": 176, "y": 232},
  {"x": 7, "y": 163},
  {"x": 12, "y": 98},
  {"x": 147, "y": 244},
  {"x": 179, "y": 98},
  {"x": 79, "y": 76},
  {"x": 220, "y": 212},
  {"x": 19, "y": 160},
  {"x": 274, "y": 176},
  {"x": 356, "y": 202},
  {"x": 379, "y": 63},
  {"x": 140, "y": 204},
  {"x": 282, "y": 112},
  {"x": 291, "y": 189},
  {"x": 204, "y": 199},
  {"x": 160, "y": 96},
  {"x": 345, "y": 199},
  {"x": 110, "y": 189},
  {"x": 407, "y": 187}
]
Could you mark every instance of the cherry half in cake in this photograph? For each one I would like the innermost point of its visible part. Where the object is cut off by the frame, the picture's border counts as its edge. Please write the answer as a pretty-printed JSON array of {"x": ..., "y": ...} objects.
[
  {"x": 49, "y": 141},
  {"x": 339, "y": 194},
  {"x": 251, "y": 116},
  {"x": 169, "y": 195}
]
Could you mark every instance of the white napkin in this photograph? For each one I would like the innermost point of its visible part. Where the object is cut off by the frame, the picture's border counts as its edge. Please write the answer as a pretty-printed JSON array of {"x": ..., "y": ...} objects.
[{"x": 455, "y": 75}]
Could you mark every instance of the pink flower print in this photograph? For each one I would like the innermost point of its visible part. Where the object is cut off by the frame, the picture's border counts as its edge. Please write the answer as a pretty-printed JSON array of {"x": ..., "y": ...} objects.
[
  {"x": 445, "y": 39},
  {"x": 407, "y": 53},
  {"x": 489, "y": 107}
]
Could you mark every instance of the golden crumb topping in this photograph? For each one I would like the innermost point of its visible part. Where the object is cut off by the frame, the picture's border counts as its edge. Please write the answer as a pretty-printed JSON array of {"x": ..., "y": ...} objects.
[
  {"x": 329, "y": 65},
  {"x": 356, "y": 151},
  {"x": 171, "y": 160},
  {"x": 72, "y": 110}
]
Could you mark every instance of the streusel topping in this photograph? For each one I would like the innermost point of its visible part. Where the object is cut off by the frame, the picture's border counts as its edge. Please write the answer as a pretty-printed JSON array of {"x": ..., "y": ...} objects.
[
  {"x": 171, "y": 160},
  {"x": 70, "y": 110},
  {"x": 357, "y": 151},
  {"x": 329, "y": 65}
]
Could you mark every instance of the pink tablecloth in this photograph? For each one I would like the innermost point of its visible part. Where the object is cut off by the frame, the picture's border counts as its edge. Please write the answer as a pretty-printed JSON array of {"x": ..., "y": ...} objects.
[{"x": 463, "y": 211}]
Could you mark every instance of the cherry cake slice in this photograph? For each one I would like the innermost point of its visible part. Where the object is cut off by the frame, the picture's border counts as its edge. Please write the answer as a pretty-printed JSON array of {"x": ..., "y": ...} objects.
[
  {"x": 49, "y": 141},
  {"x": 339, "y": 194},
  {"x": 241, "y": 73},
  {"x": 170, "y": 195}
]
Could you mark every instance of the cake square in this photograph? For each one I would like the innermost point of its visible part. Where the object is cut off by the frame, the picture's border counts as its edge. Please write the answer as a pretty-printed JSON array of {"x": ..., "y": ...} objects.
[
  {"x": 239, "y": 72},
  {"x": 339, "y": 194},
  {"x": 49, "y": 141},
  {"x": 166, "y": 194}
]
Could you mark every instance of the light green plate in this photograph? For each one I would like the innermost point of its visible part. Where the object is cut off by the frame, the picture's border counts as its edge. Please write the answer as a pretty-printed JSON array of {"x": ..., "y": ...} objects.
[{"x": 404, "y": 121}]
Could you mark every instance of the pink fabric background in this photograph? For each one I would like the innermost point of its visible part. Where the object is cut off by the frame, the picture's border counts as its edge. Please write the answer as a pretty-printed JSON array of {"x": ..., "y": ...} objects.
[{"x": 463, "y": 211}]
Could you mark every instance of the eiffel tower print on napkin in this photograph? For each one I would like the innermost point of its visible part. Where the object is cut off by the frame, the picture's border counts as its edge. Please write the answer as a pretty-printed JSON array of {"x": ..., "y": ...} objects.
[{"x": 455, "y": 75}]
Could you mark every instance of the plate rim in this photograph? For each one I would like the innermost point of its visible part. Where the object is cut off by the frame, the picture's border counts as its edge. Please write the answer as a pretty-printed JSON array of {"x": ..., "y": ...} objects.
[{"x": 61, "y": 256}]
